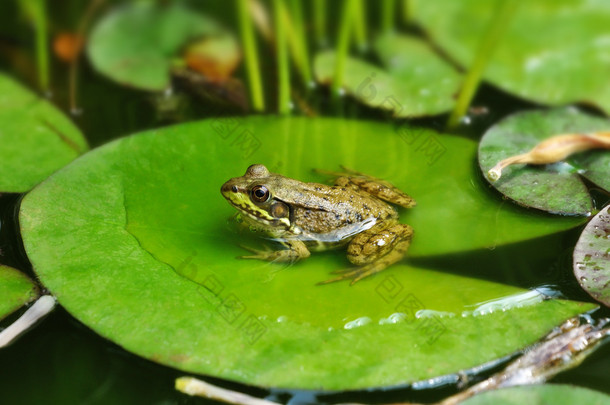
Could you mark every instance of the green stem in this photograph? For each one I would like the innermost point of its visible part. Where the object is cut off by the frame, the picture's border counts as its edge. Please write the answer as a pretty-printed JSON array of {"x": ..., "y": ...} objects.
[
  {"x": 295, "y": 34},
  {"x": 360, "y": 27},
  {"x": 319, "y": 21},
  {"x": 388, "y": 9},
  {"x": 283, "y": 67},
  {"x": 489, "y": 41},
  {"x": 251, "y": 56},
  {"x": 347, "y": 18},
  {"x": 81, "y": 32},
  {"x": 42, "y": 41}
]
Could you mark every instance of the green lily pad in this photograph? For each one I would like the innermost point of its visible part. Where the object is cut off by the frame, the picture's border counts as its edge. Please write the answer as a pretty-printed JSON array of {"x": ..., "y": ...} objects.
[
  {"x": 152, "y": 265},
  {"x": 592, "y": 257},
  {"x": 556, "y": 188},
  {"x": 16, "y": 290},
  {"x": 415, "y": 81},
  {"x": 37, "y": 139},
  {"x": 541, "y": 394},
  {"x": 594, "y": 166},
  {"x": 565, "y": 61},
  {"x": 136, "y": 43}
]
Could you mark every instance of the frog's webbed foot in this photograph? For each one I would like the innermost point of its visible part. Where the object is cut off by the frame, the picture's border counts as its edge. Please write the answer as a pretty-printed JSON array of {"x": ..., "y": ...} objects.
[{"x": 296, "y": 250}]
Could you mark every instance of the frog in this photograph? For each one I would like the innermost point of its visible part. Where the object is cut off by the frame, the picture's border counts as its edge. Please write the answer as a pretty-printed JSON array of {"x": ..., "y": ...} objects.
[{"x": 357, "y": 212}]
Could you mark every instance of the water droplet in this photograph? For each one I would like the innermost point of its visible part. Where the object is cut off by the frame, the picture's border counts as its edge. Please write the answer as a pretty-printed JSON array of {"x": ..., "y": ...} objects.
[
  {"x": 584, "y": 279},
  {"x": 357, "y": 322},
  {"x": 282, "y": 318},
  {"x": 394, "y": 318}
]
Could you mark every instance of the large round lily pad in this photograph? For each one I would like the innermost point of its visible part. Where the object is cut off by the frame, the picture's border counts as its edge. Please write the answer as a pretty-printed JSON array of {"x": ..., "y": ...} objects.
[
  {"x": 36, "y": 138},
  {"x": 16, "y": 290},
  {"x": 133, "y": 240},
  {"x": 558, "y": 187},
  {"x": 554, "y": 51},
  {"x": 136, "y": 43},
  {"x": 592, "y": 257}
]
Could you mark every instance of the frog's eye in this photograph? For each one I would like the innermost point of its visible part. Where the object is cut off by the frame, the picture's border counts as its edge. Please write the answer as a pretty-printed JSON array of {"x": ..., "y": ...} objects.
[{"x": 260, "y": 193}]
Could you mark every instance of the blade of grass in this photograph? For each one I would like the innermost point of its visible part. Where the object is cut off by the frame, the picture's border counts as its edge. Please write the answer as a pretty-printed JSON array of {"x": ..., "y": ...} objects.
[
  {"x": 295, "y": 34},
  {"x": 489, "y": 41},
  {"x": 406, "y": 11},
  {"x": 388, "y": 15},
  {"x": 251, "y": 56},
  {"x": 319, "y": 22},
  {"x": 360, "y": 26},
  {"x": 81, "y": 32},
  {"x": 345, "y": 28},
  {"x": 36, "y": 11},
  {"x": 283, "y": 68}
]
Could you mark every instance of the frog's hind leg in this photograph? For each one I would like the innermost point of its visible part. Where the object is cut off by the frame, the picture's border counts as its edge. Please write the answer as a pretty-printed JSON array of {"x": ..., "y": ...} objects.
[
  {"x": 373, "y": 186},
  {"x": 375, "y": 250}
]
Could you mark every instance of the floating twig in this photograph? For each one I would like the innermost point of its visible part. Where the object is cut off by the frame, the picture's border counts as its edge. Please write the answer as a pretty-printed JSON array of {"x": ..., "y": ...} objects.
[
  {"x": 41, "y": 307},
  {"x": 195, "y": 387},
  {"x": 562, "y": 349}
]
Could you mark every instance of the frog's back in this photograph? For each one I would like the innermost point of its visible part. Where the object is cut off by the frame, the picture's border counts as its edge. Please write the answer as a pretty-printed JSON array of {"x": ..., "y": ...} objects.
[{"x": 333, "y": 213}]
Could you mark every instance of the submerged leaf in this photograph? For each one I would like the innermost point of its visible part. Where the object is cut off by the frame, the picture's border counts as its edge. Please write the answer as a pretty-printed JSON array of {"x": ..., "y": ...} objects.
[
  {"x": 36, "y": 138},
  {"x": 592, "y": 257},
  {"x": 152, "y": 265},
  {"x": 556, "y": 188},
  {"x": 16, "y": 290},
  {"x": 414, "y": 81},
  {"x": 554, "y": 51}
]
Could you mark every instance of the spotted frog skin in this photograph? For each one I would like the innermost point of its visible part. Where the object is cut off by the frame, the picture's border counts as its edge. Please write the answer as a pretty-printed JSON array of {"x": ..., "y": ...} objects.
[{"x": 304, "y": 217}]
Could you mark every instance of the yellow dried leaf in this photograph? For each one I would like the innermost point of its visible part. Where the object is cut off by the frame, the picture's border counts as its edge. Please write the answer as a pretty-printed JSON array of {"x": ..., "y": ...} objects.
[{"x": 554, "y": 149}]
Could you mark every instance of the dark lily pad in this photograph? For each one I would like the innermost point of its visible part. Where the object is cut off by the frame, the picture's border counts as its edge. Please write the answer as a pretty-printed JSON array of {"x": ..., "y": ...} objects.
[
  {"x": 16, "y": 290},
  {"x": 556, "y": 188},
  {"x": 592, "y": 257},
  {"x": 565, "y": 61},
  {"x": 414, "y": 82},
  {"x": 36, "y": 138},
  {"x": 541, "y": 394},
  {"x": 136, "y": 43},
  {"x": 594, "y": 166},
  {"x": 152, "y": 265}
]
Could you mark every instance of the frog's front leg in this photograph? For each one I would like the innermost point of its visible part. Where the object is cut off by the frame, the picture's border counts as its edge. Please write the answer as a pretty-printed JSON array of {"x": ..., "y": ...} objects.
[
  {"x": 295, "y": 250},
  {"x": 375, "y": 250}
]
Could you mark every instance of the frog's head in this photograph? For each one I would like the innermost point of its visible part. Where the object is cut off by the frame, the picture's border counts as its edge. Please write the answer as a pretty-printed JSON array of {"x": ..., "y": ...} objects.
[{"x": 253, "y": 195}]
